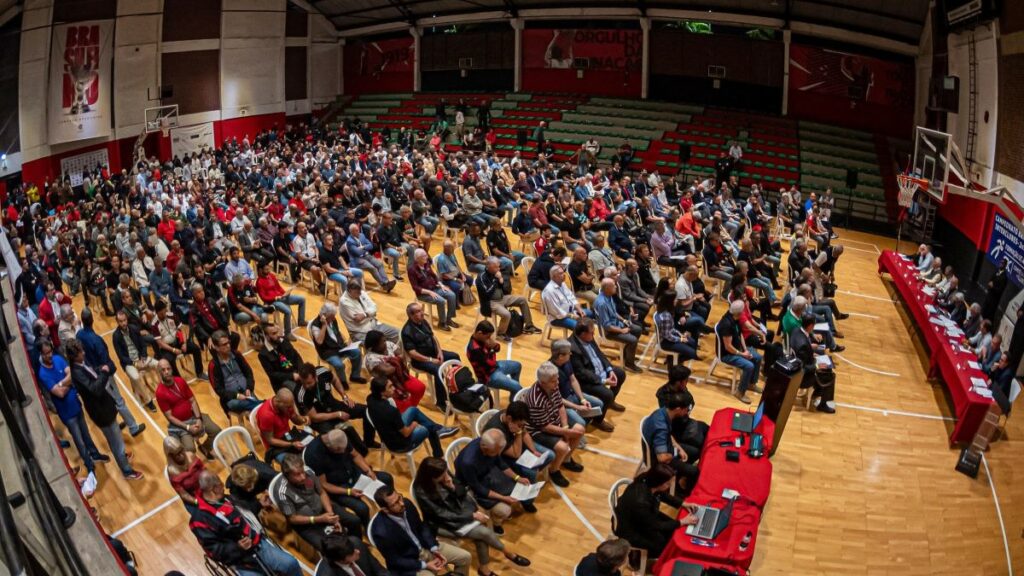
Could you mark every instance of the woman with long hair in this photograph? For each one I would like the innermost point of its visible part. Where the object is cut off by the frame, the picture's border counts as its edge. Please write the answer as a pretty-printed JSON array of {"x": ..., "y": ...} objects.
[
  {"x": 384, "y": 359},
  {"x": 448, "y": 506}
]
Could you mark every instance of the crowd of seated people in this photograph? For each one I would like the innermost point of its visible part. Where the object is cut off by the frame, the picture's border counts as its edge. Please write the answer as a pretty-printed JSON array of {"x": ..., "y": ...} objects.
[{"x": 221, "y": 250}]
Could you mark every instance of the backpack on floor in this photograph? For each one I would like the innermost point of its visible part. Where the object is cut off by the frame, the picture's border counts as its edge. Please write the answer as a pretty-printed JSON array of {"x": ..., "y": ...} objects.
[{"x": 515, "y": 324}]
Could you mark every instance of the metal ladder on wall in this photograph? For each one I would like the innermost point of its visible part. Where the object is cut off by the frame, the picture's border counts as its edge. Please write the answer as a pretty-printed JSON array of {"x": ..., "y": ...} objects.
[{"x": 972, "y": 113}]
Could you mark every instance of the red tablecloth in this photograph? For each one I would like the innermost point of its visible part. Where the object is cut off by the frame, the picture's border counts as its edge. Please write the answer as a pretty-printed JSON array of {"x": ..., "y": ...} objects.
[
  {"x": 946, "y": 358},
  {"x": 751, "y": 477}
]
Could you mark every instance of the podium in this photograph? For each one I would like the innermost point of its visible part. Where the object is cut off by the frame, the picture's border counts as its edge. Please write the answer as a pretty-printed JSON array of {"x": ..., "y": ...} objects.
[{"x": 780, "y": 388}]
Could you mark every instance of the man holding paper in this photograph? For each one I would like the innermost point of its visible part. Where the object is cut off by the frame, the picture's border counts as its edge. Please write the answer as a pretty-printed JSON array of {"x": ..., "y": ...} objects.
[
  {"x": 524, "y": 457},
  {"x": 344, "y": 474},
  {"x": 801, "y": 343},
  {"x": 549, "y": 423},
  {"x": 481, "y": 467}
]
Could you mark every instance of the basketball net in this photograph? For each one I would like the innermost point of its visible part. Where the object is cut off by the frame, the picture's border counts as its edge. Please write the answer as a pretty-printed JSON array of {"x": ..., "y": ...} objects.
[
  {"x": 165, "y": 127},
  {"x": 908, "y": 187}
]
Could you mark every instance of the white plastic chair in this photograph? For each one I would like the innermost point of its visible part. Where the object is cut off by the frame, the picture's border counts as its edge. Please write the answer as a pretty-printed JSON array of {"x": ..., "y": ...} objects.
[
  {"x": 655, "y": 351},
  {"x": 225, "y": 445},
  {"x": 519, "y": 395},
  {"x": 453, "y": 450},
  {"x": 482, "y": 421},
  {"x": 450, "y": 410},
  {"x": 717, "y": 361},
  {"x": 253, "y": 424},
  {"x": 545, "y": 332},
  {"x": 610, "y": 347},
  {"x": 385, "y": 451},
  {"x": 613, "y": 501},
  {"x": 527, "y": 264},
  {"x": 369, "y": 530}
]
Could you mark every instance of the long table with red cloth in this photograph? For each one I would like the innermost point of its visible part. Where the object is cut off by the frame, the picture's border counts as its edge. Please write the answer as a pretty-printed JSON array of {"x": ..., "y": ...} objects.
[
  {"x": 751, "y": 477},
  {"x": 946, "y": 359}
]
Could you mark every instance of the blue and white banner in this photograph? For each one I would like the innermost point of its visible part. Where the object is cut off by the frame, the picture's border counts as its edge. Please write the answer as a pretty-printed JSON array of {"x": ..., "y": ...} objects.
[{"x": 1007, "y": 241}]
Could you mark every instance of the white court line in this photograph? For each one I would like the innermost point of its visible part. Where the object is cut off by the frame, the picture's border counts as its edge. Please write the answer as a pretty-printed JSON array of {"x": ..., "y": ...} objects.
[
  {"x": 868, "y": 296},
  {"x": 886, "y": 412},
  {"x": 612, "y": 455},
  {"x": 145, "y": 516},
  {"x": 865, "y": 368},
  {"x": 871, "y": 316},
  {"x": 999, "y": 514},
  {"x": 508, "y": 356},
  {"x": 578, "y": 514},
  {"x": 139, "y": 405},
  {"x": 872, "y": 244},
  {"x": 108, "y": 332},
  {"x": 858, "y": 249}
]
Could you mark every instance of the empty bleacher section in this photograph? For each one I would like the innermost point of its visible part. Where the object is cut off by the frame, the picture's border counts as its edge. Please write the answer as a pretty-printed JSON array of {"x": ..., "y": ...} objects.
[
  {"x": 777, "y": 151},
  {"x": 827, "y": 153}
]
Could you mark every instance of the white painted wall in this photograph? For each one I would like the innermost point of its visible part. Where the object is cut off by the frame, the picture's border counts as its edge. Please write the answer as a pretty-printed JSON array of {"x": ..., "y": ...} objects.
[
  {"x": 324, "y": 62},
  {"x": 987, "y": 78},
  {"x": 252, "y": 57},
  {"x": 136, "y": 63},
  {"x": 33, "y": 71}
]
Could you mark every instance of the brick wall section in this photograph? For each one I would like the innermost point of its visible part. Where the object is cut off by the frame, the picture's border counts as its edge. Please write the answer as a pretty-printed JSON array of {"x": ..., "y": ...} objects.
[{"x": 1009, "y": 152}]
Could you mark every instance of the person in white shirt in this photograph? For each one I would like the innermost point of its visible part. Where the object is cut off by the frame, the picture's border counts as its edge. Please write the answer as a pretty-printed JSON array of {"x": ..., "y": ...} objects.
[
  {"x": 306, "y": 252},
  {"x": 239, "y": 221},
  {"x": 736, "y": 151},
  {"x": 359, "y": 313},
  {"x": 142, "y": 265},
  {"x": 560, "y": 303}
]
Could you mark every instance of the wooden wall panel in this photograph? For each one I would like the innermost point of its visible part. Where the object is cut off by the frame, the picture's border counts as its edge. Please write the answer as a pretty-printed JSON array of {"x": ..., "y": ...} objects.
[
  {"x": 191, "y": 20},
  {"x": 195, "y": 77},
  {"x": 295, "y": 73}
]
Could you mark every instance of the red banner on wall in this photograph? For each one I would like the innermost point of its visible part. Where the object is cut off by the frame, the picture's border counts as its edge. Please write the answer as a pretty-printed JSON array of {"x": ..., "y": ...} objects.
[
  {"x": 383, "y": 57},
  {"x": 606, "y": 49},
  {"x": 850, "y": 76}
]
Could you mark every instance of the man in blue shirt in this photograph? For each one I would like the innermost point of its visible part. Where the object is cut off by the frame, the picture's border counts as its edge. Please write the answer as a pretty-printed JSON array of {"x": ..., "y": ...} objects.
[
  {"x": 360, "y": 256},
  {"x": 674, "y": 439},
  {"x": 55, "y": 375},
  {"x": 616, "y": 327},
  {"x": 98, "y": 355}
]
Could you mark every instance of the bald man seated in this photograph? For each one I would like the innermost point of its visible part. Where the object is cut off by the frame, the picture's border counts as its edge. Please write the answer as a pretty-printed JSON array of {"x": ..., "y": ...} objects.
[{"x": 274, "y": 419}]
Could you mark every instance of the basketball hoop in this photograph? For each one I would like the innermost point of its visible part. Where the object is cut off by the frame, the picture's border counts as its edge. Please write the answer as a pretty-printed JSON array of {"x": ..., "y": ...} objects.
[
  {"x": 909, "y": 185},
  {"x": 165, "y": 127}
]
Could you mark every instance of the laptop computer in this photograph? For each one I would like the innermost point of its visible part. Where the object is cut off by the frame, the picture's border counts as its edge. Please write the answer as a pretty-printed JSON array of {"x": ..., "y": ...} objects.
[
  {"x": 745, "y": 422},
  {"x": 710, "y": 521}
]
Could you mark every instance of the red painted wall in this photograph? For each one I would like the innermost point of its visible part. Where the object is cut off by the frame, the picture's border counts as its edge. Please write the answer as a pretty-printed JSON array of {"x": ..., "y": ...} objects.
[
  {"x": 121, "y": 153},
  {"x": 973, "y": 218},
  {"x": 820, "y": 82},
  {"x": 615, "y": 61},
  {"x": 377, "y": 67}
]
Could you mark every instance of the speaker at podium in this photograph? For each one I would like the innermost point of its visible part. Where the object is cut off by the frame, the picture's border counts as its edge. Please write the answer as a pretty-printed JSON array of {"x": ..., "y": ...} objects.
[{"x": 780, "y": 388}]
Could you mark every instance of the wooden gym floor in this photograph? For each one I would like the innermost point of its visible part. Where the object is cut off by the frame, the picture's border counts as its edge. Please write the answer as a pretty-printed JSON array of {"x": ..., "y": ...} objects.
[{"x": 869, "y": 490}]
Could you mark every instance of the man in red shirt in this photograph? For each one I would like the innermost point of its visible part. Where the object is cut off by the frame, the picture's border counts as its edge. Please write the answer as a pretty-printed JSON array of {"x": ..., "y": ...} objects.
[
  {"x": 185, "y": 420},
  {"x": 274, "y": 419},
  {"x": 166, "y": 228},
  {"x": 272, "y": 294}
]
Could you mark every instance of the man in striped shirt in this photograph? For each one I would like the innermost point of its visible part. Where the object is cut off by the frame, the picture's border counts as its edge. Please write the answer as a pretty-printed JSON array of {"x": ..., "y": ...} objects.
[{"x": 549, "y": 424}]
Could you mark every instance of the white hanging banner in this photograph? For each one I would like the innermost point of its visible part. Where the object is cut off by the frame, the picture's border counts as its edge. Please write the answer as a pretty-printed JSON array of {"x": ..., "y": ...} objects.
[
  {"x": 74, "y": 166},
  {"x": 80, "y": 81},
  {"x": 188, "y": 139}
]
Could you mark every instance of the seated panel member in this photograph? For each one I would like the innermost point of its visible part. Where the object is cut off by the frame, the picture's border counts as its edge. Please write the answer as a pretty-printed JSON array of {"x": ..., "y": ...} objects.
[{"x": 675, "y": 439}]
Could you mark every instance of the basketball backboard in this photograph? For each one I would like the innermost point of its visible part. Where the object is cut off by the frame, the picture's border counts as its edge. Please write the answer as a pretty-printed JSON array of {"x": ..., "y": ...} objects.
[
  {"x": 937, "y": 159},
  {"x": 161, "y": 118}
]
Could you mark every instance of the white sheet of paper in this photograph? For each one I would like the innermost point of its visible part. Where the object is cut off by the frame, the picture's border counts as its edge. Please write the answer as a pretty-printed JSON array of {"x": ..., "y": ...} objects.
[
  {"x": 368, "y": 485},
  {"x": 526, "y": 491},
  {"x": 591, "y": 412},
  {"x": 978, "y": 382},
  {"x": 465, "y": 529},
  {"x": 476, "y": 387},
  {"x": 822, "y": 360},
  {"x": 821, "y": 327},
  {"x": 929, "y": 291},
  {"x": 931, "y": 309},
  {"x": 974, "y": 364},
  {"x": 529, "y": 460},
  {"x": 350, "y": 347}
]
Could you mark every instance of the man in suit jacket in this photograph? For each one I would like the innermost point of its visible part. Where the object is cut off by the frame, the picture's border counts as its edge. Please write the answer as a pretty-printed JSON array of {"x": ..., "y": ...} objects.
[
  {"x": 131, "y": 351},
  {"x": 91, "y": 384},
  {"x": 592, "y": 369},
  {"x": 407, "y": 544},
  {"x": 631, "y": 291},
  {"x": 619, "y": 240},
  {"x": 802, "y": 344},
  {"x": 347, "y": 556}
]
